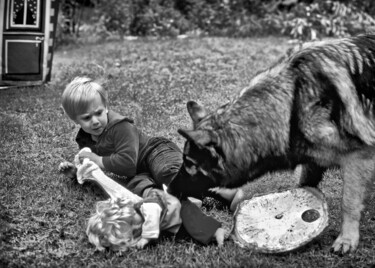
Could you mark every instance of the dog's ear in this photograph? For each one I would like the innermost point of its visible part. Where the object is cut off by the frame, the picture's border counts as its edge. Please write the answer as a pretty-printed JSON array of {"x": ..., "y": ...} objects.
[
  {"x": 200, "y": 137},
  {"x": 196, "y": 111}
]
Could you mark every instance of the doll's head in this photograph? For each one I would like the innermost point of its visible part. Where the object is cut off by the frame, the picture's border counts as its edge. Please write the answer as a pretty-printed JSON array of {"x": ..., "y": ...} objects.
[{"x": 115, "y": 225}]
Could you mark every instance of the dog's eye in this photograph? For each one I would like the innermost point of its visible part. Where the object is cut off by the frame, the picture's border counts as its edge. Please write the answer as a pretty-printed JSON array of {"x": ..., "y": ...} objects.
[
  {"x": 190, "y": 160},
  {"x": 204, "y": 172}
]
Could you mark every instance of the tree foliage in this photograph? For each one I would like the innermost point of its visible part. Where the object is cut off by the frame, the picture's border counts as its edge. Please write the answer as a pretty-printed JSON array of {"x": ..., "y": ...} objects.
[
  {"x": 301, "y": 19},
  {"x": 324, "y": 18}
]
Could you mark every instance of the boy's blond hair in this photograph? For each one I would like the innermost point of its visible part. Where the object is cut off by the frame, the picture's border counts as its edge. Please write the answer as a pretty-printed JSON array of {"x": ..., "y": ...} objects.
[
  {"x": 78, "y": 95},
  {"x": 111, "y": 226}
]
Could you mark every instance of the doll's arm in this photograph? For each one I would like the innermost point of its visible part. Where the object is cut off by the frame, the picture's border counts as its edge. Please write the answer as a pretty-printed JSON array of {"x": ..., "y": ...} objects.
[
  {"x": 151, "y": 226},
  {"x": 151, "y": 213}
]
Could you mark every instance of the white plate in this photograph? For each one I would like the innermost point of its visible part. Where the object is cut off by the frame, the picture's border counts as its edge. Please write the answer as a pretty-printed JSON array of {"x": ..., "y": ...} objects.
[{"x": 282, "y": 221}]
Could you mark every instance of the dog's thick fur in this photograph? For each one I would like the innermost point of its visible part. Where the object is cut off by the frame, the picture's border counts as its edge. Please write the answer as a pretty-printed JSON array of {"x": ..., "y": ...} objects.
[{"x": 314, "y": 107}]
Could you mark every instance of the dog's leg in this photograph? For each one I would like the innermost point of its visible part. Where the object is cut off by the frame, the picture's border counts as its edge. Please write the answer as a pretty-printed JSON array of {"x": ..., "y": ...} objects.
[
  {"x": 358, "y": 170},
  {"x": 309, "y": 174}
]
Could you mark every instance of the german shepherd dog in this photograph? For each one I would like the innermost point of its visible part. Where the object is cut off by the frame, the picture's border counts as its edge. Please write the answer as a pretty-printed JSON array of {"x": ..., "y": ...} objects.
[{"x": 314, "y": 107}]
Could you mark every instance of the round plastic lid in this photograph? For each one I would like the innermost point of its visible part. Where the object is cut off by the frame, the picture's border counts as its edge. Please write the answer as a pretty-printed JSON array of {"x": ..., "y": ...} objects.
[{"x": 282, "y": 221}]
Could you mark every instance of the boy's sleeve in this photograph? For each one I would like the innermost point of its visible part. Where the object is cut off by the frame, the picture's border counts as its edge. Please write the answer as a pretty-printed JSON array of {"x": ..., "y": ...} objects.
[
  {"x": 198, "y": 225},
  {"x": 123, "y": 161},
  {"x": 151, "y": 226}
]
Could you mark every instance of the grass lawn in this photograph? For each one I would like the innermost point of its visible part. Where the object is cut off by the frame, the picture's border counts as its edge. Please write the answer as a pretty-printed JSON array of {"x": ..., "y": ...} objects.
[{"x": 43, "y": 215}]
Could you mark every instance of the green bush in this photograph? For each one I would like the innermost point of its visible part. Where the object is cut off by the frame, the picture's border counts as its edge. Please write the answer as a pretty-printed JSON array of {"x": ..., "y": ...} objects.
[
  {"x": 158, "y": 18},
  {"x": 233, "y": 18},
  {"x": 325, "y": 18},
  {"x": 227, "y": 18},
  {"x": 174, "y": 17},
  {"x": 141, "y": 17},
  {"x": 117, "y": 15}
]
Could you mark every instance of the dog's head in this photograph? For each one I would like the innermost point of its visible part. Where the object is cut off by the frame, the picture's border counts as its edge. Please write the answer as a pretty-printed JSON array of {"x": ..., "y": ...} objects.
[
  {"x": 208, "y": 153},
  {"x": 228, "y": 147}
]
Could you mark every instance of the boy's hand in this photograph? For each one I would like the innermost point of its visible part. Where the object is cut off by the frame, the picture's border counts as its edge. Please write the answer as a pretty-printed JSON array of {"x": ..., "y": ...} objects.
[
  {"x": 219, "y": 236},
  {"x": 142, "y": 243},
  {"x": 68, "y": 169},
  {"x": 91, "y": 156}
]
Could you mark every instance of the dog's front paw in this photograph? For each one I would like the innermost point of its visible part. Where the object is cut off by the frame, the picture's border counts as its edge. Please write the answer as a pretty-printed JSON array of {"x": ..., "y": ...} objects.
[{"x": 345, "y": 244}]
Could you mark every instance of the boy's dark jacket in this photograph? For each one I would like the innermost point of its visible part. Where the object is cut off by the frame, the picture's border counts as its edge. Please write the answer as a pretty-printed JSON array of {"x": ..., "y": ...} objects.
[{"x": 123, "y": 147}]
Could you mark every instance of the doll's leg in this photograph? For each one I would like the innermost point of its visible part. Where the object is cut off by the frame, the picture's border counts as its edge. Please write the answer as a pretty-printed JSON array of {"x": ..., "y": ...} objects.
[
  {"x": 140, "y": 183},
  {"x": 198, "y": 225}
]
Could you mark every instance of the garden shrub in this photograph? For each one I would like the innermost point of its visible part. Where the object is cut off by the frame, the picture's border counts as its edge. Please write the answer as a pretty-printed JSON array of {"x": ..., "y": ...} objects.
[
  {"x": 301, "y": 19},
  {"x": 158, "y": 18},
  {"x": 224, "y": 18},
  {"x": 141, "y": 17},
  {"x": 325, "y": 18},
  {"x": 117, "y": 15}
]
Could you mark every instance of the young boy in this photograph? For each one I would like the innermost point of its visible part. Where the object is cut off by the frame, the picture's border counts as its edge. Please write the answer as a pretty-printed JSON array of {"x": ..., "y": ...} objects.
[
  {"x": 119, "y": 147},
  {"x": 116, "y": 143}
]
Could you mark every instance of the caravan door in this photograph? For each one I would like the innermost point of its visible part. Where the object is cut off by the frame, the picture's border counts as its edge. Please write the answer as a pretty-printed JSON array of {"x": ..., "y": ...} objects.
[{"x": 23, "y": 40}]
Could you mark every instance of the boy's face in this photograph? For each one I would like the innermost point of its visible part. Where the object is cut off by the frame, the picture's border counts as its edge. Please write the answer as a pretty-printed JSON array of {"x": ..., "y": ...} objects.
[{"x": 95, "y": 119}]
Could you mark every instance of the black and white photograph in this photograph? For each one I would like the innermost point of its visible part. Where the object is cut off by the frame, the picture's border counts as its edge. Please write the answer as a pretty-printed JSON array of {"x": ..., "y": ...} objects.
[{"x": 187, "y": 133}]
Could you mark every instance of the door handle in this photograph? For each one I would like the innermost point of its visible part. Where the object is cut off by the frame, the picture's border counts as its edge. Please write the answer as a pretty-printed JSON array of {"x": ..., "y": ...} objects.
[{"x": 38, "y": 39}]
